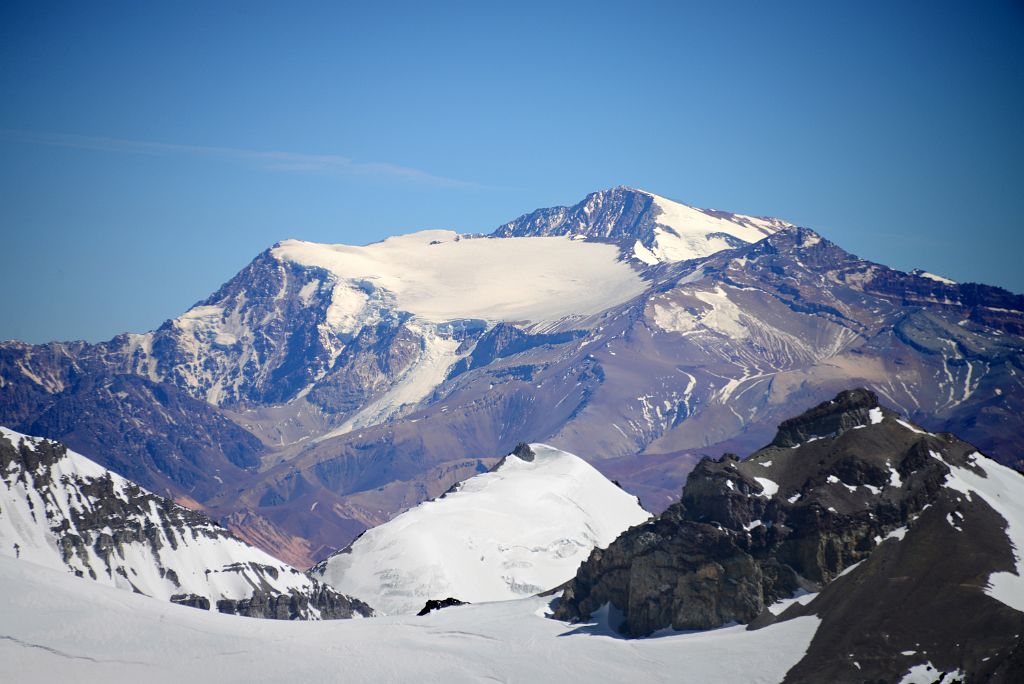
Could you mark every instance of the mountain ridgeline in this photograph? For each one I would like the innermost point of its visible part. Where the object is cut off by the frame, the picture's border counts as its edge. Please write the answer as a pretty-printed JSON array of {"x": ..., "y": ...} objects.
[{"x": 326, "y": 388}]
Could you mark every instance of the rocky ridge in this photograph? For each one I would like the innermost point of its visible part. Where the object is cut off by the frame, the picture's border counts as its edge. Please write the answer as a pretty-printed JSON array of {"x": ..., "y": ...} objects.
[
  {"x": 60, "y": 510},
  {"x": 893, "y": 536}
]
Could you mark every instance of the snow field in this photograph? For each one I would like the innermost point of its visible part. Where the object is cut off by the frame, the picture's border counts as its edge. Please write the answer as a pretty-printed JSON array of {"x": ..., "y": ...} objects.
[
  {"x": 440, "y": 276},
  {"x": 62, "y": 628}
]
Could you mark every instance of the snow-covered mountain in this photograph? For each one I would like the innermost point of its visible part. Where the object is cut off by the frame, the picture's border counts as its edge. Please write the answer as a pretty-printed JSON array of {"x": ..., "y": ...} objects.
[
  {"x": 518, "y": 530},
  {"x": 326, "y": 388},
  {"x": 60, "y": 510},
  {"x": 904, "y": 543}
]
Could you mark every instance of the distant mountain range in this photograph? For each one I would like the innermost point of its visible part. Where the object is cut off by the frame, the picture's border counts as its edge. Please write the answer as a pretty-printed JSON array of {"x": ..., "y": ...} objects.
[{"x": 326, "y": 388}]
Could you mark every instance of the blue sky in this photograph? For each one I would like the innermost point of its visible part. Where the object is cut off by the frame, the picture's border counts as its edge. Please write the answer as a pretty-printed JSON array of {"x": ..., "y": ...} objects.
[{"x": 148, "y": 151}]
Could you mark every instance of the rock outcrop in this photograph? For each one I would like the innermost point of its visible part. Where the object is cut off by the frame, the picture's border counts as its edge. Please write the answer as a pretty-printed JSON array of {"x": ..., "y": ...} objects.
[
  {"x": 748, "y": 533},
  {"x": 903, "y": 543},
  {"x": 438, "y": 604}
]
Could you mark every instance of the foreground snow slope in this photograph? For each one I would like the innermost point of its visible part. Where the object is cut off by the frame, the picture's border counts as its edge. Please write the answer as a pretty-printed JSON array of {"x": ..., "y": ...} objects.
[
  {"x": 56, "y": 627},
  {"x": 61, "y": 510},
  {"x": 518, "y": 530}
]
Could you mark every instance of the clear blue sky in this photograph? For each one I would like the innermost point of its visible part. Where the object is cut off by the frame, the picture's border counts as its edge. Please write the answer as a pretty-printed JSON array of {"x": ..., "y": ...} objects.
[{"x": 149, "y": 150}]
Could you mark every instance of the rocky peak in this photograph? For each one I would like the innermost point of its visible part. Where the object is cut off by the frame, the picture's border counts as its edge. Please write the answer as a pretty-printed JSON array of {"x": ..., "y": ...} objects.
[
  {"x": 647, "y": 227},
  {"x": 614, "y": 214},
  {"x": 793, "y": 516},
  {"x": 849, "y": 409}
]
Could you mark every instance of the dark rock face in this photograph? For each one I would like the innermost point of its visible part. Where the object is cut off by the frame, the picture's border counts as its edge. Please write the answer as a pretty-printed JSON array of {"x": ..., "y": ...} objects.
[
  {"x": 617, "y": 214},
  {"x": 155, "y": 433},
  {"x": 438, "y": 604},
  {"x": 920, "y": 600},
  {"x": 192, "y": 601},
  {"x": 504, "y": 340},
  {"x": 749, "y": 533},
  {"x": 323, "y": 602}
]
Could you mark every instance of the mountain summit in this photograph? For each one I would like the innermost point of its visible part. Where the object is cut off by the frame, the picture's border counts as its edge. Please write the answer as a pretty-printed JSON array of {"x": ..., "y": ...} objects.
[{"x": 651, "y": 228}]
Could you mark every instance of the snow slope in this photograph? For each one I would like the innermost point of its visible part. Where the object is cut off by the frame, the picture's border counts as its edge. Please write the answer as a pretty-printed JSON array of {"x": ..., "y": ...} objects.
[
  {"x": 69, "y": 514},
  {"x": 441, "y": 276},
  {"x": 1003, "y": 490},
  {"x": 683, "y": 232},
  {"x": 518, "y": 530},
  {"x": 60, "y": 628}
]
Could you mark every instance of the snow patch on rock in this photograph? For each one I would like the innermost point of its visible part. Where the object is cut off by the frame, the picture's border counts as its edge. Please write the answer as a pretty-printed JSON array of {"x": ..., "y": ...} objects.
[
  {"x": 1003, "y": 489},
  {"x": 769, "y": 487}
]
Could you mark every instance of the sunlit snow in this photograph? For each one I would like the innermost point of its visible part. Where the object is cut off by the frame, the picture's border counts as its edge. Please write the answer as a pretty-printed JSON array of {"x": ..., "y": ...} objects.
[
  {"x": 440, "y": 276},
  {"x": 683, "y": 232},
  {"x": 104, "y": 635},
  {"x": 512, "y": 532}
]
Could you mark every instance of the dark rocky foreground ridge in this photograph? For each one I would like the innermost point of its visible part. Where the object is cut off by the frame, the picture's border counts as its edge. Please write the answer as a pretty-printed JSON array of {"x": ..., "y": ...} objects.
[
  {"x": 879, "y": 526},
  {"x": 60, "y": 510}
]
